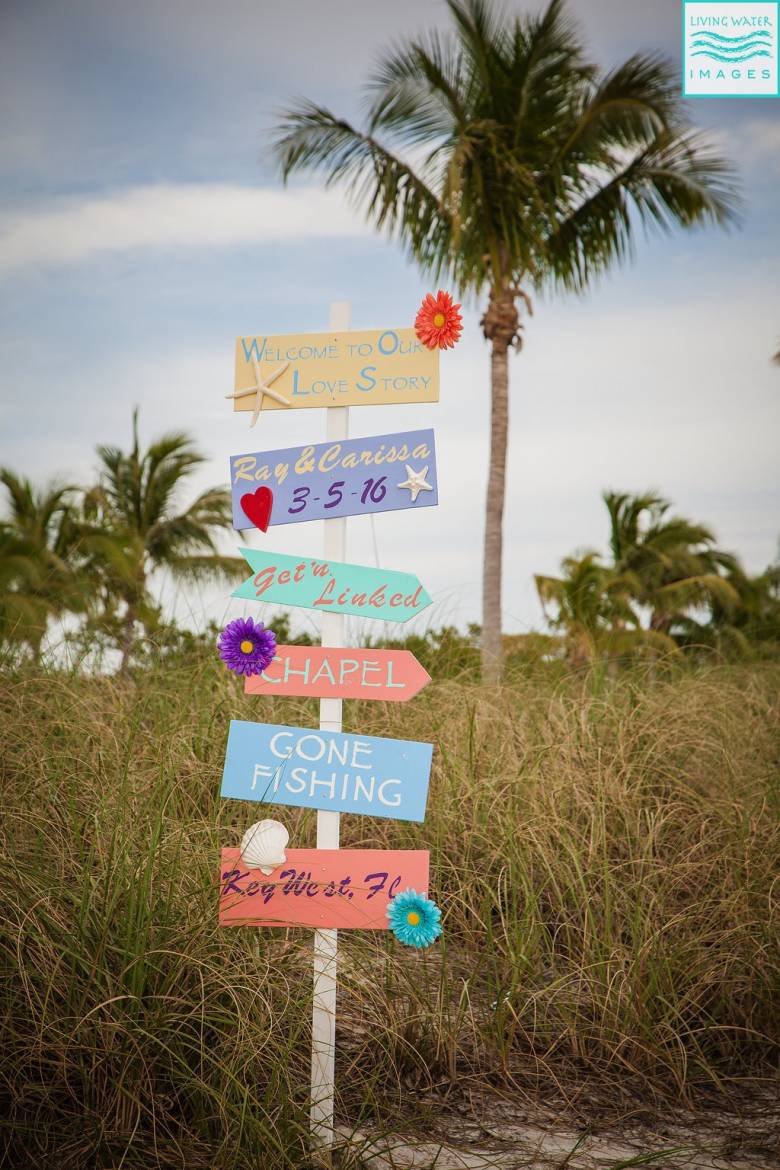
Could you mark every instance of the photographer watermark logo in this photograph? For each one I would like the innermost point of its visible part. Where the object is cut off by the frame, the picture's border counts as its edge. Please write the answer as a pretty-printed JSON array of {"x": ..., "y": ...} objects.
[{"x": 730, "y": 48}]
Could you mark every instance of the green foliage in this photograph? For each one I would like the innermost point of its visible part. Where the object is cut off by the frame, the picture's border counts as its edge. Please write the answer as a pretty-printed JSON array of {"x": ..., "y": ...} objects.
[
  {"x": 749, "y": 626},
  {"x": 40, "y": 573},
  {"x": 171, "y": 646},
  {"x": 92, "y": 551},
  {"x": 674, "y": 563},
  {"x": 592, "y": 607},
  {"x": 445, "y": 653},
  {"x": 135, "y": 502},
  {"x": 695, "y": 595},
  {"x": 604, "y": 855}
]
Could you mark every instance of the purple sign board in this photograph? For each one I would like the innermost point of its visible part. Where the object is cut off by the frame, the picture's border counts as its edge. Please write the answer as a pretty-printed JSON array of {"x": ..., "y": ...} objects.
[{"x": 319, "y": 481}]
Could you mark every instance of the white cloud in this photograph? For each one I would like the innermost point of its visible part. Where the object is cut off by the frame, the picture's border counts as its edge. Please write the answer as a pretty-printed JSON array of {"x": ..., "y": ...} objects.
[
  {"x": 754, "y": 145},
  {"x": 69, "y": 231}
]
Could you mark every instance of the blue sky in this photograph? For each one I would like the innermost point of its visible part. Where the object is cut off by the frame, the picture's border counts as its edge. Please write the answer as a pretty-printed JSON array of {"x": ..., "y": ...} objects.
[{"x": 142, "y": 228}]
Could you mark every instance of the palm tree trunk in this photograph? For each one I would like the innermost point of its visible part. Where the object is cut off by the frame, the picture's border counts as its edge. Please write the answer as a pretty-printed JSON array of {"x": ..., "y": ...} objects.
[
  {"x": 494, "y": 511},
  {"x": 128, "y": 638},
  {"x": 35, "y": 642},
  {"x": 661, "y": 621}
]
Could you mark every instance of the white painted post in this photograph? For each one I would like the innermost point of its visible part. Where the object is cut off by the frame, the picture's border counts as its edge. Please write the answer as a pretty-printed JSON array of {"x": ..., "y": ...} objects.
[{"x": 323, "y": 1036}]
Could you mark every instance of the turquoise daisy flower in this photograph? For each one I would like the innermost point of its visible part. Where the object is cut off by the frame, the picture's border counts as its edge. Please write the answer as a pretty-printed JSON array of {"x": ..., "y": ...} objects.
[{"x": 414, "y": 919}]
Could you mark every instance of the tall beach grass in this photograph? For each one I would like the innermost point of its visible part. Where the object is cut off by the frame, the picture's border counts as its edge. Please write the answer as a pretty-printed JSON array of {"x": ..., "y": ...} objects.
[{"x": 605, "y": 853}]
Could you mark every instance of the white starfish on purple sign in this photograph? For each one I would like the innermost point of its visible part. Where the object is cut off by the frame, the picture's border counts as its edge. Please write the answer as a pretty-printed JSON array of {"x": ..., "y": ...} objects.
[{"x": 415, "y": 481}]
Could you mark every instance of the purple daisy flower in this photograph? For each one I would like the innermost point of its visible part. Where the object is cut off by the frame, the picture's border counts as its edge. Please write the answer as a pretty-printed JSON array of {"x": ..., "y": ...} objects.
[{"x": 246, "y": 647}]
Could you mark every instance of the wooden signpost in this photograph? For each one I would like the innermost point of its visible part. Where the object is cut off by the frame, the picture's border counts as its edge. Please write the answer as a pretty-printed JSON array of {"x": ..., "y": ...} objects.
[
  {"x": 324, "y": 480},
  {"x": 332, "y": 587},
  {"x": 328, "y": 888},
  {"x": 392, "y": 675},
  {"x": 325, "y": 962},
  {"x": 341, "y": 889}
]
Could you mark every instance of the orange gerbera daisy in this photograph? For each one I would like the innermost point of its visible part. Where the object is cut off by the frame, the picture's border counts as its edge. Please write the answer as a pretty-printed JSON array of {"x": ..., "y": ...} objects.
[{"x": 438, "y": 323}]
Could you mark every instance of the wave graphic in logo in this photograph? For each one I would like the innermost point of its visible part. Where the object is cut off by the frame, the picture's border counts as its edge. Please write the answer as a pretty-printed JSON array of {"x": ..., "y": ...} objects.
[{"x": 731, "y": 50}]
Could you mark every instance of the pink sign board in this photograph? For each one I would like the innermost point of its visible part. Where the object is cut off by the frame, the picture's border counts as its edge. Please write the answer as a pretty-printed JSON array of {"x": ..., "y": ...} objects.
[
  {"x": 348, "y": 889},
  {"x": 325, "y": 673}
]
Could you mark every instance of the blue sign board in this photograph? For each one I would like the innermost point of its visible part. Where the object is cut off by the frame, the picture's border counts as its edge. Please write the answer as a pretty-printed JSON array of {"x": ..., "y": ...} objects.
[
  {"x": 318, "y": 481},
  {"x": 333, "y": 770}
]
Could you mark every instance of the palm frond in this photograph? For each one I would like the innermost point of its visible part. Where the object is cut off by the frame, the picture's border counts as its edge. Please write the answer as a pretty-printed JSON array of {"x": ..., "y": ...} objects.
[
  {"x": 624, "y": 110},
  {"x": 391, "y": 194},
  {"x": 677, "y": 180},
  {"x": 697, "y": 590},
  {"x": 418, "y": 93},
  {"x": 209, "y": 568}
]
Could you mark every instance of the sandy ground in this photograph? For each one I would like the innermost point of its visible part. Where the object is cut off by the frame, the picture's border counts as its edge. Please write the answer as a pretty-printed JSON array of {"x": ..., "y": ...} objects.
[{"x": 505, "y": 1139}]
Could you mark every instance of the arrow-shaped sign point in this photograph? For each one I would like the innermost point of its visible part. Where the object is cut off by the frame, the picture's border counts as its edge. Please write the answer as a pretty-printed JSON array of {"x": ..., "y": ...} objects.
[
  {"x": 332, "y": 587},
  {"x": 327, "y": 673}
]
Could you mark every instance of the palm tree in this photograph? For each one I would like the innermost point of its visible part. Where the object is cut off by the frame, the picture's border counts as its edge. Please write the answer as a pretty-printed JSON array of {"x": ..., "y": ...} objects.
[
  {"x": 134, "y": 506},
  {"x": 674, "y": 562},
  {"x": 591, "y": 606},
  {"x": 507, "y": 162},
  {"x": 752, "y": 625},
  {"x": 21, "y": 611},
  {"x": 39, "y": 552}
]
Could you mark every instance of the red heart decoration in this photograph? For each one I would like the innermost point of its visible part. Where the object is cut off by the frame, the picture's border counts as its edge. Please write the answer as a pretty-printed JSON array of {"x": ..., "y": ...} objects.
[{"x": 257, "y": 505}]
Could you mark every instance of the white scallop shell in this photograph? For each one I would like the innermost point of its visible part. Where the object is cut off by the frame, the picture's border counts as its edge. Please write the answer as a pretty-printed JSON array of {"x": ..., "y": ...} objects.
[{"x": 262, "y": 845}]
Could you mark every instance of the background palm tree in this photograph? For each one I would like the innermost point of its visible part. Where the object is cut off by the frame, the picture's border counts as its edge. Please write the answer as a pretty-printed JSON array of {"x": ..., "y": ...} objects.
[
  {"x": 135, "y": 506},
  {"x": 39, "y": 559},
  {"x": 591, "y": 605},
  {"x": 673, "y": 561},
  {"x": 532, "y": 169},
  {"x": 21, "y": 611},
  {"x": 749, "y": 627},
  {"x": 694, "y": 594}
]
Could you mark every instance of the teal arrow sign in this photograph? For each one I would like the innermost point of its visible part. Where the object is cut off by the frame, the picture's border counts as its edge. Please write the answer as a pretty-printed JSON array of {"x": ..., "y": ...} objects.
[{"x": 331, "y": 587}]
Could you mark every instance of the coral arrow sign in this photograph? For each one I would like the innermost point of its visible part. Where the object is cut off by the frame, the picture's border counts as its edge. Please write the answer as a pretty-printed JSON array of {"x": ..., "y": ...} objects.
[
  {"x": 325, "y": 673},
  {"x": 331, "y": 587}
]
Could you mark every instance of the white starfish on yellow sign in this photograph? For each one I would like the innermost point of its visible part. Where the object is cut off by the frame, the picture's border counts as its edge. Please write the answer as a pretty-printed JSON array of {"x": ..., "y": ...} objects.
[
  {"x": 415, "y": 481},
  {"x": 260, "y": 388}
]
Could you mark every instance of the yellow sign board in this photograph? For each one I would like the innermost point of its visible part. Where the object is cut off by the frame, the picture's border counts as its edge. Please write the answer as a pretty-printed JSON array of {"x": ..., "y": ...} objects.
[{"x": 368, "y": 367}]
